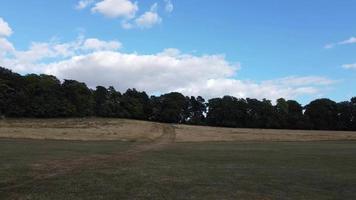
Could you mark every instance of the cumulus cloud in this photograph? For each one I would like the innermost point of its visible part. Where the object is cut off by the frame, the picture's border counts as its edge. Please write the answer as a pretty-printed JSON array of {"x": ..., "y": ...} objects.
[
  {"x": 351, "y": 40},
  {"x": 251, "y": 89},
  {"x": 171, "y": 70},
  {"x": 156, "y": 73},
  {"x": 35, "y": 58},
  {"x": 5, "y": 29},
  {"x": 126, "y": 11},
  {"x": 99, "y": 62},
  {"x": 149, "y": 18},
  {"x": 116, "y": 8},
  {"x": 5, "y": 46}
]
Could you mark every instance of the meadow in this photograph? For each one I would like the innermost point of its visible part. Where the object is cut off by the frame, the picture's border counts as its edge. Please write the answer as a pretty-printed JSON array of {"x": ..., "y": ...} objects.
[{"x": 102, "y": 159}]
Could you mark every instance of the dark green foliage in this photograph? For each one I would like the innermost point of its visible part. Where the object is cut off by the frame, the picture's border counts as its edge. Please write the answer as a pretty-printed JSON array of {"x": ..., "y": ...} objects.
[
  {"x": 115, "y": 103},
  {"x": 80, "y": 97},
  {"x": 102, "y": 102},
  {"x": 295, "y": 117},
  {"x": 136, "y": 104},
  {"x": 171, "y": 108},
  {"x": 261, "y": 114},
  {"x": 44, "y": 96},
  {"x": 323, "y": 114},
  {"x": 196, "y": 110},
  {"x": 227, "y": 111},
  {"x": 13, "y": 98}
]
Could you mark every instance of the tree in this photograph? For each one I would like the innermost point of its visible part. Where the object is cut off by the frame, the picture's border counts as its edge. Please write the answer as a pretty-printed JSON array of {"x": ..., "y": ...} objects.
[
  {"x": 115, "y": 103},
  {"x": 322, "y": 114},
  {"x": 353, "y": 117},
  {"x": 13, "y": 98},
  {"x": 282, "y": 109},
  {"x": 261, "y": 114},
  {"x": 295, "y": 117},
  {"x": 170, "y": 108},
  {"x": 102, "y": 103},
  {"x": 136, "y": 104},
  {"x": 45, "y": 97},
  {"x": 196, "y": 110},
  {"x": 80, "y": 97},
  {"x": 344, "y": 116},
  {"x": 227, "y": 111}
]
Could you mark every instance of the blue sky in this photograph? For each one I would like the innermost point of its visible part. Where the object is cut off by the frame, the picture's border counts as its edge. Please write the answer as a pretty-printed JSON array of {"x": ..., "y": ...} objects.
[{"x": 293, "y": 49}]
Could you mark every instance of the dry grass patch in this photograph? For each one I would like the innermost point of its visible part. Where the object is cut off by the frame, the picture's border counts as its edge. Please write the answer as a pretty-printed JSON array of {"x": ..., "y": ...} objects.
[
  {"x": 88, "y": 129},
  {"x": 94, "y": 129},
  {"x": 186, "y": 133}
]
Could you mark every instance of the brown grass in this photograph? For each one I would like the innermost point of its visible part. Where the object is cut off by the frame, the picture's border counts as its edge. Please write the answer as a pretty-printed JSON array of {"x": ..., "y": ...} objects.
[
  {"x": 91, "y": 129},
  {"x": 186, "y": 133},
  {"x": 87, "y": 129}
]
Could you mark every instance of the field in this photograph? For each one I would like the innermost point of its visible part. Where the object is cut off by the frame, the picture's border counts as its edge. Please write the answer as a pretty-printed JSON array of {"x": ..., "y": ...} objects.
[{"x": 125, "y": 159}]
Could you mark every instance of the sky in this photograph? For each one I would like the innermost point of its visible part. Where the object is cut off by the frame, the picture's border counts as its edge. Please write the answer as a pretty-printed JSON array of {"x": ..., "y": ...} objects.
[{"x": 299, "y": 50}]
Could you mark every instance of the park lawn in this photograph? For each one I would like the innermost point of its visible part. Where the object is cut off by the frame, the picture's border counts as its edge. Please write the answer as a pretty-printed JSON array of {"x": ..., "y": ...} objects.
[{"x": 210, "y": 170}]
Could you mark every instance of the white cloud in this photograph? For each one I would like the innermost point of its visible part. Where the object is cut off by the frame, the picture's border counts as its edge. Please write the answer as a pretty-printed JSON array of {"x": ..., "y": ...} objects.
[
  {"x": 154, "y": 73},
  {"x": 149, "y": 18},
  {"x": 98, "y": 62},
  {"x": 349, "y": 66},
  {"x": 40, "y": 53},
  {"x": 242, "y": 89},
  {"x": 169, "y": 6},
  {"x": 127, "y": 25},
  {"x": 96, "y": 44},
  {"x": 116, "y": 8},
  {"x": 5, "y": 29},
  {"x": 84, "y": 4},
  {"x": 170, "y": 70},
  {"x": 5, "y": 46},
  {"x": 126, "y": 10},
  {"x": 351, "y": 40},
  {"x": 302, "y": 81}
]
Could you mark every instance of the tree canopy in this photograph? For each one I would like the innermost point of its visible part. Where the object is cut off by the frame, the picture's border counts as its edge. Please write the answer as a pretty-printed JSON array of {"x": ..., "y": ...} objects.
[{"x": 45, "y": 96}]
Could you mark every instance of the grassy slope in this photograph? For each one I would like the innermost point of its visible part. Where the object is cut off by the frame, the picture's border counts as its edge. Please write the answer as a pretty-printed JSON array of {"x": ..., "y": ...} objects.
[{"x": 310, "y": 170}]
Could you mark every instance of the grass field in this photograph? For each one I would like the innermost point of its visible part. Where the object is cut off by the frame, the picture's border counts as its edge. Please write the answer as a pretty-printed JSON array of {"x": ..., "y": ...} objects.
[{"x": 162, "y": 165}]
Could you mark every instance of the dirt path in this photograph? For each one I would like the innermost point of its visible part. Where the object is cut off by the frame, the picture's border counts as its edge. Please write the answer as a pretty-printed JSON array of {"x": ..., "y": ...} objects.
[{"x": 52, "y": 168}]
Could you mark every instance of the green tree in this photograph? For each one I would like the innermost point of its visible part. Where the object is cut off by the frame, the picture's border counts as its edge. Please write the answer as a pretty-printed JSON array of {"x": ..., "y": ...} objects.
[
  {"x": 102, "y": 102},
  {"x": 115, "y": 103},
  {"x": 46, "y": 99},
  {"x": 344, "y": 115},
  {"x": 136, "y": 104},
  {"x": 80, "y": 97},
  {"x": 227, "y": 111},
  {"x": 322, "y": 114},
  {"x": 282, "y": 109},
  {"x": 295, "y": 118},
  {"x": 196, "y": 110},
  {"x": 170, "y": 108},
  {"x": 13, "y": 97}
]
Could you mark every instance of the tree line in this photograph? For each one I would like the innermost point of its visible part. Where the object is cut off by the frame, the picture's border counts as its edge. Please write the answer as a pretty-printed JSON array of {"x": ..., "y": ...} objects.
[{"x": 45, "y": 96}]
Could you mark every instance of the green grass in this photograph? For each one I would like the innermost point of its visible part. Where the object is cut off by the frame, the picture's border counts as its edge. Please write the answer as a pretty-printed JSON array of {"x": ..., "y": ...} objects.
[{"x": 313, "y": 170}]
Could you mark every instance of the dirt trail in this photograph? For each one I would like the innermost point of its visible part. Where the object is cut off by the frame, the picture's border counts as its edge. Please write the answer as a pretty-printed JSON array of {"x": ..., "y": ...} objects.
[{"x": 52, "y": 168}]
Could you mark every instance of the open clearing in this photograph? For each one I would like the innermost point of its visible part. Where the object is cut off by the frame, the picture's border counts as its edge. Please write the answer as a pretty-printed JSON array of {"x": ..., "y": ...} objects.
[{"x": 127, "y": 159}]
